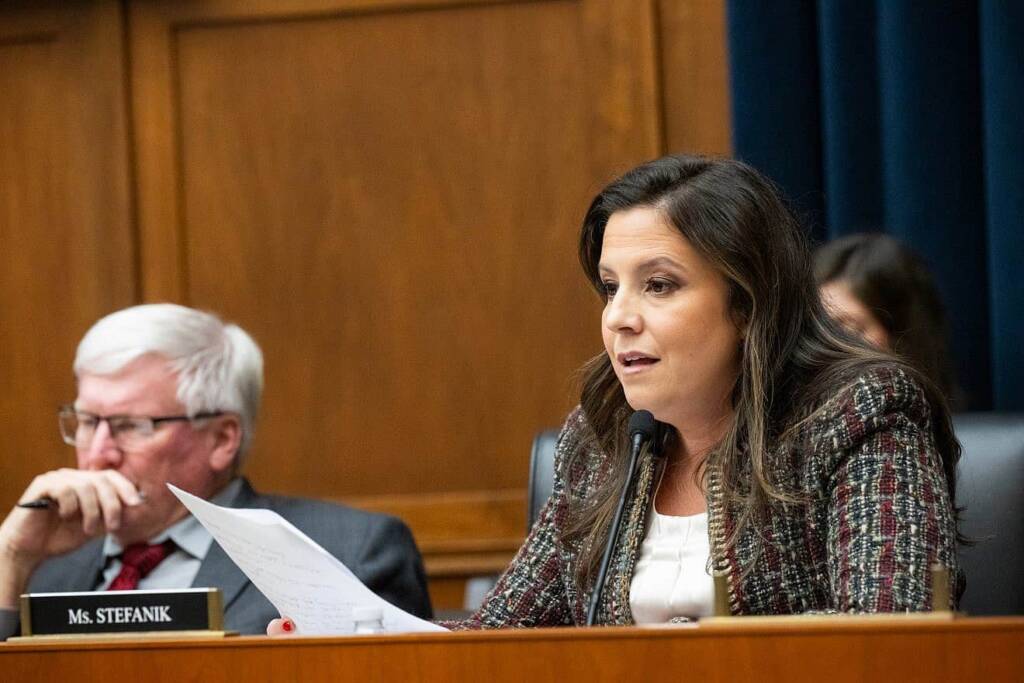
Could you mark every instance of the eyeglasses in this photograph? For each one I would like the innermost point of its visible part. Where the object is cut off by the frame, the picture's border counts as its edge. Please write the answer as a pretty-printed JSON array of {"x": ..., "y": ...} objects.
[{"x": 129, "y": 432}]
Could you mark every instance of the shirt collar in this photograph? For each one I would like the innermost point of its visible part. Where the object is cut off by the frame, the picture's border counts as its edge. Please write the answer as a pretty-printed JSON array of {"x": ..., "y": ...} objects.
[{"x": 188, "y": 534}]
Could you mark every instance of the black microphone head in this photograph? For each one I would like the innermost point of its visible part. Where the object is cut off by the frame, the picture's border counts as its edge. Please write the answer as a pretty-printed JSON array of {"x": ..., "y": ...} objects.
[{"x": 642, "y": 423}]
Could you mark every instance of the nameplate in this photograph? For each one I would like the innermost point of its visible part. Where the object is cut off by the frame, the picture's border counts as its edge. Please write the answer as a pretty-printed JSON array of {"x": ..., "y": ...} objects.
[{"x": 138, "y": 611}]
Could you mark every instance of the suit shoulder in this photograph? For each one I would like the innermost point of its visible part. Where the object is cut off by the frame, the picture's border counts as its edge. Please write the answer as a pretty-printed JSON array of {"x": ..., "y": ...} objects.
[
  {"x": 294, "y": 508},
  {"x": 871, "y": 400}
]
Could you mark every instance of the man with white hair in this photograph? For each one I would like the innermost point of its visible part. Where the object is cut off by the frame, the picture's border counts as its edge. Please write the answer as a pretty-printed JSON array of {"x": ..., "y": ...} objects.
[{"x": 170, "y": 394}]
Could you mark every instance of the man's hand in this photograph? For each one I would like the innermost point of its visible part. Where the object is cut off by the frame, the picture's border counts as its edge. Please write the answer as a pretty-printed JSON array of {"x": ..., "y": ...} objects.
[{"x": 85, "y": 504}]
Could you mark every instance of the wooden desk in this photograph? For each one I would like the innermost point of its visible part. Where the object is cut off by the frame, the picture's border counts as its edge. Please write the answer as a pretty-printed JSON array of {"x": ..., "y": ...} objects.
[{"x": 835, "y": 651}]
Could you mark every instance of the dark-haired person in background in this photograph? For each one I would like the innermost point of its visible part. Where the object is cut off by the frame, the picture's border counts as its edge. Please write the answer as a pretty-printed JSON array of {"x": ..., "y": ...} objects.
[
  {"x": 881, "y": 291},
  {"x": 812, "y": 470}
]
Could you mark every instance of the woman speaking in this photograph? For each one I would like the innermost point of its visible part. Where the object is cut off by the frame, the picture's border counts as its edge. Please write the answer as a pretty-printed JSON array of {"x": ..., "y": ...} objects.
[{"x": 811, "y": 471}]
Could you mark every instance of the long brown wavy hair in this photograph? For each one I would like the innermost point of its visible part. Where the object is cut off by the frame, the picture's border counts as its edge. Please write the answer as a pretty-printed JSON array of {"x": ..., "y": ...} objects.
[{"x": 793, "y": 357}]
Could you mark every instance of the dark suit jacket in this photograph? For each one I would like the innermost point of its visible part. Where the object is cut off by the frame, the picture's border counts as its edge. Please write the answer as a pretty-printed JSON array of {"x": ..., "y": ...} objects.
[{"x": 379, "y": 549}]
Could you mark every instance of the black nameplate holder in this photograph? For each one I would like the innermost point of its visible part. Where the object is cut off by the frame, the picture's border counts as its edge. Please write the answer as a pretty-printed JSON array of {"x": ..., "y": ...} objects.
[{"x": 166, "y": 613}]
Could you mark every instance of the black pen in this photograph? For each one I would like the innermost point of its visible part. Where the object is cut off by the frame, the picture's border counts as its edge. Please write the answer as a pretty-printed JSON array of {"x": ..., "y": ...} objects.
[
  {"x": 47, "y": 503},
  {"x": 37, "y": 504}
]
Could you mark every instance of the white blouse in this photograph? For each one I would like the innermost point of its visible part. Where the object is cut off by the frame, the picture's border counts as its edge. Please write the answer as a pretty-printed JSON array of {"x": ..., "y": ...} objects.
[{"x": 672, "y": 577}]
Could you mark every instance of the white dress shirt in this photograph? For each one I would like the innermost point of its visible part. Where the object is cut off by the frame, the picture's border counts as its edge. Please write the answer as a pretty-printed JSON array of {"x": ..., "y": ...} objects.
[{"x": 672, "y": 576}]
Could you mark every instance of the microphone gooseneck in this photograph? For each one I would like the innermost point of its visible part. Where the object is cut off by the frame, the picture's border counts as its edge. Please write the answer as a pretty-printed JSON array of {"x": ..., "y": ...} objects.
[{"x": 642, "y": 427}]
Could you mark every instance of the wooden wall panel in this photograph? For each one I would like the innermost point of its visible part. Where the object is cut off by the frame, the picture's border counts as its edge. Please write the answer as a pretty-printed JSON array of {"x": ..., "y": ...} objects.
[
  {"x": 695, "y": 76},
  {"x": 389, "y": 200},
  {"x": 66, "y": 248}
]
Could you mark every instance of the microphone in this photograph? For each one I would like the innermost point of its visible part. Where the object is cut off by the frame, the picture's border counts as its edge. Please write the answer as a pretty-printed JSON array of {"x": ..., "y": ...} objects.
[{"x": 642, "y": 427}]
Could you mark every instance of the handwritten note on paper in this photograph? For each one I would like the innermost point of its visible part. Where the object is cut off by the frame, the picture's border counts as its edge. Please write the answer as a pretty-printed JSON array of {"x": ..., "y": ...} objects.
[{"x": 301, "y": 579}]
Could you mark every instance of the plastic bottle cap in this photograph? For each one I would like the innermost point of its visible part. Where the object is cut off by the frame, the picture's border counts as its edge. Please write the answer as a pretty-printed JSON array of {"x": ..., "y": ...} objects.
[{"x": 367, "y": 614}]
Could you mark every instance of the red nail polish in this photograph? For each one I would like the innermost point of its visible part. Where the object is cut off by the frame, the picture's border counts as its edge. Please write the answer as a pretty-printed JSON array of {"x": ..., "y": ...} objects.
[{"x": 287, "y": 625}]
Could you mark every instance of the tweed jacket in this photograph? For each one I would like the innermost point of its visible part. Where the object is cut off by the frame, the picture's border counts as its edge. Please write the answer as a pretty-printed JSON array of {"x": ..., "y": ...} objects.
[{"x": 877, "y": 515}]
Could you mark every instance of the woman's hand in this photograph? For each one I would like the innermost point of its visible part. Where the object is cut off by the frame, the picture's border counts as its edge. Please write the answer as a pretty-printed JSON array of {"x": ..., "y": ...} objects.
[{"x": 281, "y": 627}]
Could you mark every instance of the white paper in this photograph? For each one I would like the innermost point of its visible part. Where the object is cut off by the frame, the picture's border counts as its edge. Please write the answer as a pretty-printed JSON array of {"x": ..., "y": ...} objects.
[{"x": 302, "y": 580}]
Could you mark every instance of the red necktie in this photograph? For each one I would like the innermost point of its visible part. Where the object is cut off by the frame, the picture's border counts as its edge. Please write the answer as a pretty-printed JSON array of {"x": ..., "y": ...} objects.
[{"x": 137, "y": 561}]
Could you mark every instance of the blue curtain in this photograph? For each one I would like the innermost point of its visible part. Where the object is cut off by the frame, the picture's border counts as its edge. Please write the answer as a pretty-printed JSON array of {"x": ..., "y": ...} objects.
[{"x": 904, "y": 116}]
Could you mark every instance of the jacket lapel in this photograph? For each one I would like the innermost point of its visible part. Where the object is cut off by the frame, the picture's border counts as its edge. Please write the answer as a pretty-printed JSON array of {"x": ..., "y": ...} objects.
[
  {"x": 615, "y": 598},
  {"x": 217, "y": 569},
  {"x": 77, "y": 571}
]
